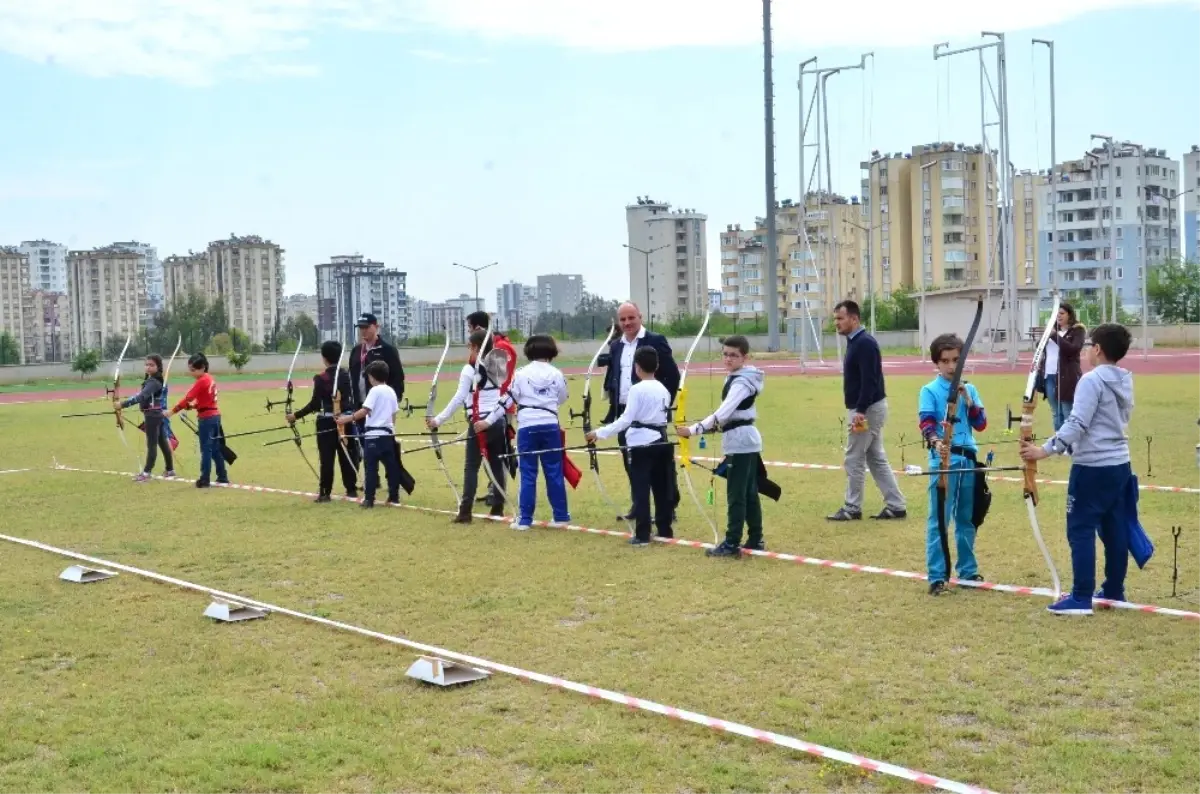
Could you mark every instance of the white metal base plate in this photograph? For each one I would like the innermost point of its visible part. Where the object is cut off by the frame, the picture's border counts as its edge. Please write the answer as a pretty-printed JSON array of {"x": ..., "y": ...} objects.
[
  {"x": 81, "y": 574},
  {"x": 443, "y": 672},
  {"x": 232, "y": 612}
]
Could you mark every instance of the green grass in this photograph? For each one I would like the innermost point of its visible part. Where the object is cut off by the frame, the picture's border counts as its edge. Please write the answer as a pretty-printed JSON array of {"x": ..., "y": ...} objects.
[{"x": 123, "y": 685}]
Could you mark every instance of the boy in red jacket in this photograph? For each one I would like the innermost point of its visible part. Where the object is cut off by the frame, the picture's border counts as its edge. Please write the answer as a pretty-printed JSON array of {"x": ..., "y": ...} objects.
[{"x": 203, "y": 398}]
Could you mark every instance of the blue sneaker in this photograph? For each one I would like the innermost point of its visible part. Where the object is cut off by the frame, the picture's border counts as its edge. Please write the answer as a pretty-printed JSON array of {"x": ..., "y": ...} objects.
[
  {"x": 1101, "y": 594},
  {"x": 1070, "y": 605}
]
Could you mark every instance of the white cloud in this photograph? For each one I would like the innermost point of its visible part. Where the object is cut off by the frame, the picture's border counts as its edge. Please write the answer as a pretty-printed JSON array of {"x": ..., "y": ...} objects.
[
  {"x": 625, "y": 25},
  {"x": 445, "y": 57}
]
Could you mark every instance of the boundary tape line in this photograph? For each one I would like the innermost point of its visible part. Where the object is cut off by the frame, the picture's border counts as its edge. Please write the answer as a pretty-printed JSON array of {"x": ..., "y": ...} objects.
[
  {"x": 634, "y": 703},
  {"x": 696, "y": 544}
]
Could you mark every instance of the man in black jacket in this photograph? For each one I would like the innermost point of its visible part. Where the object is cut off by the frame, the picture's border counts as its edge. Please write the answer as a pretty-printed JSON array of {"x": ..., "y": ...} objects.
[
  {"x": 866, "y": 404},
  {"x": 373, "y": 348},
  {"x": 620, "y": 376}
]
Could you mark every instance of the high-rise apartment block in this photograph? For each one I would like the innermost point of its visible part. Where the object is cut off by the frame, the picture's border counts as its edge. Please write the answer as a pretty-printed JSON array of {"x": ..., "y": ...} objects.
[
  {"x": 1113, "y": 220},
  {"x": 14, "y": 283},
  {"x": 298, "y": 304},
  {"x": 560, "y": 293},
  {"x": 668, "y": 259},
  {"x": 46, "y": 318},
  {"x": 350, "y": 285},
  {"x": 1191, "y": 204},
  {"x": 47, "y": 264},
  {"x": 188, "y": 274},
  {"x": 153, "y": 275},
  {"x": 516, "y": 307},
  {"x": 447, "y": 318},
  {"x": 250, "y": 277},
  {"x": 106, "y": 292}
]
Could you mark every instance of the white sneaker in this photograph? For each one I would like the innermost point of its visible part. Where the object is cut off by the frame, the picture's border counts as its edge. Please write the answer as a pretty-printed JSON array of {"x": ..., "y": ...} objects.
[
  {"x": 517, "y": 525},
  {"x": 559, "y": 524}
]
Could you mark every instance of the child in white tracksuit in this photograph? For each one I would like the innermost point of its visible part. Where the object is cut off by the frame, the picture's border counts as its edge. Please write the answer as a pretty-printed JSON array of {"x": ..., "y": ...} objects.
[{"x": 538, "y": 389}]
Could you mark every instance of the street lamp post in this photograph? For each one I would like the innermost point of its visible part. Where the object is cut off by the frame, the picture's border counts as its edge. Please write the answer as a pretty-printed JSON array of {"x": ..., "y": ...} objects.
[
  {"x": 1170, "y": 214},
  {"x": 870, "y": 265},
  {"x": 475, "y": 270},
  {"x": 645, "y": 253}
]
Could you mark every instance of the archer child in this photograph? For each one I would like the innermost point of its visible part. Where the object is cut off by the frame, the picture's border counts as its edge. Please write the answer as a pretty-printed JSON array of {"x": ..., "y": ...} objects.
[
  {"x": 651, "y": 459},
  {"x": 203, "y": 398},
  {"x": 1101, "y": 491},
  {"x": 741, "y": 444},
  {"x": 154, "y": 423},
  {"x": 330, "y": 388},
  {"x": 951, "y": 495},
  {"x": 538, "y": 389},
  {"x": 378, "y": 412}
]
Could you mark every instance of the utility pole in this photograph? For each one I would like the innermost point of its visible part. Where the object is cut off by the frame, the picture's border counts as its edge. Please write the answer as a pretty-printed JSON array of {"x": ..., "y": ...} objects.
[
  {"x": 924, "y": 274},
  {"x": 476, "y": 270},
  {"x": 769, "y": 150},
  {"x": 1053, "y": 166},
  {"x": 870, "y": 265},
  {"x": 645, "y": 253},
  {"x": 1112, "y": 226},
  {"x": 1170, "y": 227}
]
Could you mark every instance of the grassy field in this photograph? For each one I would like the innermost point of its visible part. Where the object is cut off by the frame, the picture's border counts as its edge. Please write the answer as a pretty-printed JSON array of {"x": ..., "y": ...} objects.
[{"x": 124, "y": 686}]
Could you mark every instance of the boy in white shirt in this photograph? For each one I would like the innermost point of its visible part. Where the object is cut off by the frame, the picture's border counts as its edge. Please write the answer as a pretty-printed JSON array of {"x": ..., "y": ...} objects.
[
  {"x": 538, "y": 389},
  {"x": 379, "y": 435},
  {"x": 651, "y": 458}
]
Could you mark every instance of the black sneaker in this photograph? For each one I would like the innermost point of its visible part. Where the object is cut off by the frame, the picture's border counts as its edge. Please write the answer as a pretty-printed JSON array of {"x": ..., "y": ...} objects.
[
  {"x": 724, "y": 549},
  {"x": 202, "y": 483},
  {"x": 845, "y": 514},
  {"x": 366, "y": 505},
  {"x": 223, "y": 482},
  {"x": 938, "y": 588},
  {"x": 352, "y": 494},
  {"x": 759, "y": 546},
  {"x": 890, "y": 513},
  {"x": 321, "y": 498},
  {"x": 393, "y": 502},
  {"x": 638, "y": 543},
  {"x": 975, "y": 577}
]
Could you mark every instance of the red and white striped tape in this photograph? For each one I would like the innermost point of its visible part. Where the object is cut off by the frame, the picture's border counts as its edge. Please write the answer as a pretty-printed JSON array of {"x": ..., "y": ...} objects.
[
  {"x": 696, "y": 544},
  {"x": 725, "y": 726}
]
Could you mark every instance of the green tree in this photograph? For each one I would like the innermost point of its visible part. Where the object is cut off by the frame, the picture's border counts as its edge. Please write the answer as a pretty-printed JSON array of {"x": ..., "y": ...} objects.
[
  {"x": 220, "y": 344},
  {"x": 294, "y": 328},
  {"x": 237, "y": 359},
  {"x": 239, "y": 340},
  {"x": 1174, "y": 291},
  {"x": 10, "y": 351},
  {"x": 86, "y": 362}
]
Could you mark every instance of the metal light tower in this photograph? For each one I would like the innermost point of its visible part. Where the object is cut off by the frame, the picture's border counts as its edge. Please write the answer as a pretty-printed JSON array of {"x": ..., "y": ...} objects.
[
  {"x": 769, "y": 153},
  {"x": 649, "y": 303},
  {"x": 1053, "y": 166},
  {"x": 476, "y": 270}
]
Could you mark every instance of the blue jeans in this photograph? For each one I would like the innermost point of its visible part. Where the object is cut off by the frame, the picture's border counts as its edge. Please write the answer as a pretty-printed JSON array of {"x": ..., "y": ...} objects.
[
  {"x": 960, "y": 505},
  {"x": 535, "y": 439},
  {"x": 376, "y": 451},
  {"x": 210, "y": 449},
  {"x": 1096, "y": 505},
  {"x": 1059, "y": 411}
]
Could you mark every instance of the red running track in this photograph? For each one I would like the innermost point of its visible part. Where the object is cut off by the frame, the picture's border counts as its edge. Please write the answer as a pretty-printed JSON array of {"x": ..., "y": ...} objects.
[{"x": 1160, "y": 362}]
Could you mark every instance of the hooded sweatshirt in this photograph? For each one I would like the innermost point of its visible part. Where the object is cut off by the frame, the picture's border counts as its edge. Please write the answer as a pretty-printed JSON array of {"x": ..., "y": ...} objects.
[
  {"x": 740, "y": 386},
  {"x": 537, "y": 389},
  {"x": 1094, "y": 433}
]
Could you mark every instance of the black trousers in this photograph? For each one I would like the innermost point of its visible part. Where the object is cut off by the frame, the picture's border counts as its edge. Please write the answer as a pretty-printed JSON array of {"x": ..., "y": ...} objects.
[
  {"x": 156, "y": 439},
  {"x": 651, "y": 470},
  {"x": 328, "y": 450},
  {"x": 632, "y": 480},
  {"x": 376, "y": 452},
  {"x": 496, "y": 440}
]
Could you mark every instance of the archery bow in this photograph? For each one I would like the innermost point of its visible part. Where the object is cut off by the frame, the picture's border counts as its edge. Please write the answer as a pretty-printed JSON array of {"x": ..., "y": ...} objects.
[
  {"x": 685, "y": 444},
  {"x": 586, "y": 416},
  {"x": 118, "y": 413},
  {"x": 948, "y": 437},
  {"x": 433, "y": 431},
  {"x": 472, "y": 411},
  {"x": 1028, "y": 404},
  {"x": 287, "y": 406},
  {"x": 335, "y": 408},
  {"x": 166, "y": 377}
]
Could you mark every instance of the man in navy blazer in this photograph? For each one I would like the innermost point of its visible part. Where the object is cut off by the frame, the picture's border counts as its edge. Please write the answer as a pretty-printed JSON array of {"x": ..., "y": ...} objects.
[{"x": 619, "y": 376}]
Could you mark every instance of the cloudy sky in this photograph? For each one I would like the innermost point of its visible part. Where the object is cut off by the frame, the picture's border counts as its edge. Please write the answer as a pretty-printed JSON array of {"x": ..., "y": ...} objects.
[{"x": 421, "y": 132}]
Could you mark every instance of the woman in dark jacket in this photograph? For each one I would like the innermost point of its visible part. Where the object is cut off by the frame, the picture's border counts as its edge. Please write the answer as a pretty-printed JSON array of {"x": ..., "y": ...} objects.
[{"x": 1060, "y": 367}]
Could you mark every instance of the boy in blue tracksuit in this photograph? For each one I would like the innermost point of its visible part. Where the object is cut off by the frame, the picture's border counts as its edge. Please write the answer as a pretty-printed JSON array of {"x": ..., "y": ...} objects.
[
  {"x": 945, "y": 352},
  {"x": 1098, "y": 488}
]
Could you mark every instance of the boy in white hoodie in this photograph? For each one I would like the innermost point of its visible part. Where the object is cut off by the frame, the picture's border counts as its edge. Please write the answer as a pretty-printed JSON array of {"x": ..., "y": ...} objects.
[
  {"x": 1097, "y": 492},
  {"x": 537, "y": 389}
]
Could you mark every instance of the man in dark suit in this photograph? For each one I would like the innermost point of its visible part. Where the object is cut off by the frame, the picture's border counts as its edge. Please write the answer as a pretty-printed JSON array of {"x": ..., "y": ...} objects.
[
  {"x": 373, "y": 347},
  {"x": 619, "y": 376}
]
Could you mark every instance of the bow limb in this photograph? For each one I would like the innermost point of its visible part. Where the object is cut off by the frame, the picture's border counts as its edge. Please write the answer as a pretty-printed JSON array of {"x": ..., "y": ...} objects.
[
  {"x": 433, "y": 431},
  {"x": 335, "y": 407},
  {"x": 118, "y": 412},
  {"x": 685, "y": 443},
  {"x": 287, "y": 407},
  {"x": 1028, "y": 406},
  {"x": 586, "y": 415},
  {"x": 473, "y": 415}
]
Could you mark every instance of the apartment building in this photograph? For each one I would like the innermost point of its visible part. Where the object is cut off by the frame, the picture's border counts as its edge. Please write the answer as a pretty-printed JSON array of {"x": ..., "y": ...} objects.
[
  {"x": 249, "y": 279},
  {"x": 46, "y": 319},
  {"x": 47, "y": 264},
  {"x": 446, "y": 318},
  {"x": 821, "y": 251},
  {"x": 668, "y": 259},
  {"x": 1114, "y": 218},
  {"x": 182, "y": 275},
  {"x": 14, "y": 283},
  {"x": 559, "y": 292},
  {"x": 153, "y": 275},
  {"x": 350, "y": 285},
  {"x": 1028, "y": 189},
  {"x": 1191, "y": 204},
  {"x": 298, "y": 304},
  {"x": 106, "y": 292},
  {"x": 516, "y": 307}
]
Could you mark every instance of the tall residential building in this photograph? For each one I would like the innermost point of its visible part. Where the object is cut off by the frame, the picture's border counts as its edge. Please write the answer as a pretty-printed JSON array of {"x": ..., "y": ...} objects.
[
  {"x": 47, "y": 264},
  {"x": 418, "y": 311},
  {"x": 821, "y": 248},
  {"x": 559, "y": 293},
  {"x": 153, "y": 273},
  {"x": 46, "y": 317},
  {"x": 1028, "y": 189},
  {"x": 1191, "y": 204},
  {"x": 187, "y": 274},
  {"x": 14, "y": 284},
  {"x": 933, "y": 218},
  {"x": 106, "y": 292},
  {"x": 350, "y": 285},
  {"x": 1100, "y": 238},
  {"x": 447, "y": 318},
  {"x": 250, "y": 277},
  {"x": 714, "y": 300},
  {"x": 516, "y": 307},
  {"x": 672, "y": 279},
  {"x": 296, "y": 305}
]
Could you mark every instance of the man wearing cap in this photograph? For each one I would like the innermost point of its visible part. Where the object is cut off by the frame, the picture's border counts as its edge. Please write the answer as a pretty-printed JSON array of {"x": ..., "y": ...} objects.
[{"x": 372, "y": 347}]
